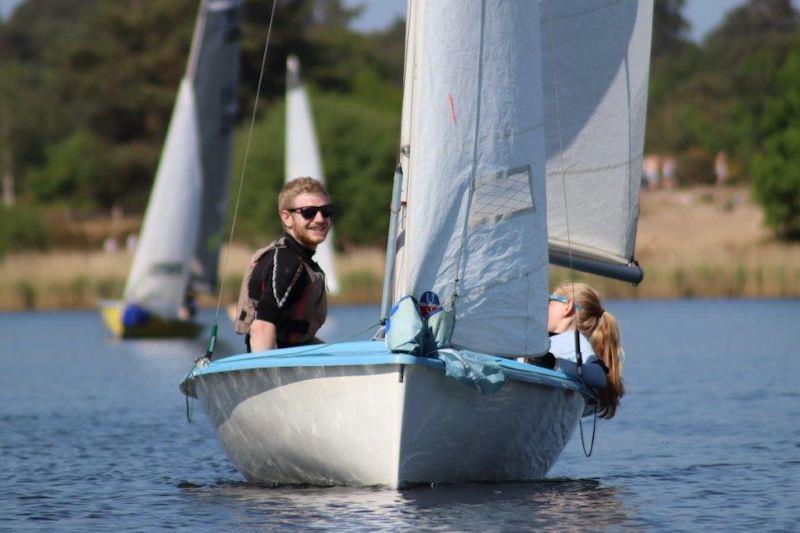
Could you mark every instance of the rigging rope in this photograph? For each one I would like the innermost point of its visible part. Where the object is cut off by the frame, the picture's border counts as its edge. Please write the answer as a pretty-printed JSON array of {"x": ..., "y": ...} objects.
[
  {"x": 594, "y": 432},
  {"x": 226, "y": 253},
  {"x": 578, "y": 355}
]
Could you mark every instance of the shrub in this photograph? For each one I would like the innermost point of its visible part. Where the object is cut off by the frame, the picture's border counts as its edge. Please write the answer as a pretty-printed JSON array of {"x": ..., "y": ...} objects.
[
  {"x": 23, "y": 228},
  {"x": 776, "y": 175}
]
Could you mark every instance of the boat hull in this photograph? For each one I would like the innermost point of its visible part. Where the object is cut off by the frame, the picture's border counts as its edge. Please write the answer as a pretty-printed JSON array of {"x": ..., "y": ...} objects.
[
  {"x": 390, "y": 424},
  {"x": 156, "y": 327}
]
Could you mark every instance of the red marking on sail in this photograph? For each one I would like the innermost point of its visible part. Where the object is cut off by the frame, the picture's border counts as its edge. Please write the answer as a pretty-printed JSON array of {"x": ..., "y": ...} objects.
[{"x": 452, "y": 109}]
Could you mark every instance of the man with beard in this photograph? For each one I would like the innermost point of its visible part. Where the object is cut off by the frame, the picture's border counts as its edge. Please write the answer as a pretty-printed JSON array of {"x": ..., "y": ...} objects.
[{"x": 282, "y": 300}]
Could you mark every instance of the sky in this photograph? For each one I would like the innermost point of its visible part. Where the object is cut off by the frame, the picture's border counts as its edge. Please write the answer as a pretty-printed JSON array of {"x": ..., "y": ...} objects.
[{"x": 704, "y": 15}]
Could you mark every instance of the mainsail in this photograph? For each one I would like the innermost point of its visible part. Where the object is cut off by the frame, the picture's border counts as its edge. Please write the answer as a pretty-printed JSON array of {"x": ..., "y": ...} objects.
[
  {"x": 595, "y": 78},
  {"x": 187, "y": 203},
  {"x": 302, "y": 155},
  {"x": 473, "y": 228}
]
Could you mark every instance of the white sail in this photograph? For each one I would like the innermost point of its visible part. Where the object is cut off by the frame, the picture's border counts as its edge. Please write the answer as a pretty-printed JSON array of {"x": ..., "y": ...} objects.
[
  {"x": 474, "y": 227},
  {"x": 181, "y": 230},
  {"x": 595, "y": 70},
  {"x": 302, "y": 155},
  {"x": 160, "y": 269}
]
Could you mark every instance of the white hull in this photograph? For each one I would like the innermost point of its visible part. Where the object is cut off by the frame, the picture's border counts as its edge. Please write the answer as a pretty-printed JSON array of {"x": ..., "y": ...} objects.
[{"x": 390, "y": 425}]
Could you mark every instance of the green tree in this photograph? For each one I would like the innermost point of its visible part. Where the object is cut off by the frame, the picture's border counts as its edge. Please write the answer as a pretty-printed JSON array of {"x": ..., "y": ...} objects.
[
  {"x": 670, "y": 28},
  {"x": 73, "y": 169},
  {"x": 109, "y": 71},
  {"x": 776, "y": 173},
  {"x": 358, "y": 138}
]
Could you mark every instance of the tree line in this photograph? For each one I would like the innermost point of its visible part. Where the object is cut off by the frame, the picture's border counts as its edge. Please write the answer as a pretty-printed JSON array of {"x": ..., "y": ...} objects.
[
  {"x": 737, "y": 91},
  {"x": 88, "y": 86}
]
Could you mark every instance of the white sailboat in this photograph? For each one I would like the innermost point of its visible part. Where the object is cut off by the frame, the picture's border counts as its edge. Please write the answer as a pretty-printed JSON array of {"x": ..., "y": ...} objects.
[
  {"x": 302, "y": 155},
  {"x": 178, "y": 248},
  {"x": 476, "y": 144}
]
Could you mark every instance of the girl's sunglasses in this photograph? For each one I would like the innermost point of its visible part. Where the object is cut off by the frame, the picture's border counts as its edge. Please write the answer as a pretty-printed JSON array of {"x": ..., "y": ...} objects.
[
  {"x": 310, "y": 212},
  {"x": 564, "y": 300}
]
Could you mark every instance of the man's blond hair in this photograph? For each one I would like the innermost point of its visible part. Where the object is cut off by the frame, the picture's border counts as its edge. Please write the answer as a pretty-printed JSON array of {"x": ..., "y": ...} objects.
[{"x": 298, "y": 186}]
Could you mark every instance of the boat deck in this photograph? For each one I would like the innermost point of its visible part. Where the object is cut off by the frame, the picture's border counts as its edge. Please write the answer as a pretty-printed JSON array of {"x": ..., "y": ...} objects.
[{"x": 363, "y": 353}]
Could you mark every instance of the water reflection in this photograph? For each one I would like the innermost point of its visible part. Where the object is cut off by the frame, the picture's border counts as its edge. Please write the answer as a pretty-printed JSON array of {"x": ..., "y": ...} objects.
[{"x": 567, "y": 503}]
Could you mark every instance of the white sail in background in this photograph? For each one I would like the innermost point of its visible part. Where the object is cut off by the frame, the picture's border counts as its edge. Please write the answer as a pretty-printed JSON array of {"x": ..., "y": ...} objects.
[
  {"x": 474, "y": 227},
  {"x": 595, "y": 76},
  {"x": 180, "y": 231},
  {"x": 160, "y": 269},
  {"x": 302, "y": 155}
]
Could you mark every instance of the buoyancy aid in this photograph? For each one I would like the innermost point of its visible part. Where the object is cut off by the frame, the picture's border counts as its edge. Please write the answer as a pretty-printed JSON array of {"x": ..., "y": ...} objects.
[
  {"x": 562, "y": 346},
  {"x": 308, "y": 312}
]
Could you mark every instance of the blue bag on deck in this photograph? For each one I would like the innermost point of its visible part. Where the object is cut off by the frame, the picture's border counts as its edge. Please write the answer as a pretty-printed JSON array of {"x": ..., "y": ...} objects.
[
  {"x": 407, "y": 332},
  {"x": 438, "y": 331},
  {"x": 405, "y": 329},
  {"x": 135, "y": 315}
]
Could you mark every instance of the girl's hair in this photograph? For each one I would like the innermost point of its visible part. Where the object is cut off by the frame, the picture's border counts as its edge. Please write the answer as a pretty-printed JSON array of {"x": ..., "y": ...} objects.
[{"x": 600, "y": 327}]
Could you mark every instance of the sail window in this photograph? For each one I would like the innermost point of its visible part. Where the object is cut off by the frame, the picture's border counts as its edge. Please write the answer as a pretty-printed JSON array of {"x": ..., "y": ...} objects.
[{"x": 502, "y": 195}]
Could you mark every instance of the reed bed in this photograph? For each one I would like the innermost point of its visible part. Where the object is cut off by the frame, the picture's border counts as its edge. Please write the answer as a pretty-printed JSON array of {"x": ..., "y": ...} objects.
[{"x": 80, "y": 279}]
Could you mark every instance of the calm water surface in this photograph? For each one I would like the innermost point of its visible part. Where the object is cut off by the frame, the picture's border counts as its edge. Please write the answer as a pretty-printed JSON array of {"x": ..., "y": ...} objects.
[{"x": 93, "y": 436}]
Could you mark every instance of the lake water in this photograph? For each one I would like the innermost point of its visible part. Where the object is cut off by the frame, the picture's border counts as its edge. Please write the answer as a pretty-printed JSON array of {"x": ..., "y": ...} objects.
[{"x": 93, "y": 436}]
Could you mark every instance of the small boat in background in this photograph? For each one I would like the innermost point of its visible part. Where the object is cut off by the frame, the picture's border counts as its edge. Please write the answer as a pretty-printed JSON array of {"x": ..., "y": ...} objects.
[
  {"x": 515, "y": 114},
  {"x": 303, "y": 157},
  {"x": 178, "y": 250}
]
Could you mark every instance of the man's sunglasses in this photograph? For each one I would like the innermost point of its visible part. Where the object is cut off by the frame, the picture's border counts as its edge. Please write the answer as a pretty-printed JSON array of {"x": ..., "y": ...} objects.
[
  {"x": 310, "y": 212},
  {"x": 564, "y": 300}
]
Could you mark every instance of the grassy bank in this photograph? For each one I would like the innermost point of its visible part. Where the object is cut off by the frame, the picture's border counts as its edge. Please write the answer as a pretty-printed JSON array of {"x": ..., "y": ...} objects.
[
  {"x": 701, "y": 242},
  {"x": 79, "y": 280}
]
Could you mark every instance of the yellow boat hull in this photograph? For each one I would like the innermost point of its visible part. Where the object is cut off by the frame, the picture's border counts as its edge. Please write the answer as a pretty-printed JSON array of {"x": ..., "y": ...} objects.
[{"x": 156, "y": 327}]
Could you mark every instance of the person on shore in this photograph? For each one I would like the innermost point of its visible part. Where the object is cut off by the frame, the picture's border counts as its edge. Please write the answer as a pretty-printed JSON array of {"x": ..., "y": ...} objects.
[
  {"x": 602, "y": 355},
  {"x": 282, "y": 300}
]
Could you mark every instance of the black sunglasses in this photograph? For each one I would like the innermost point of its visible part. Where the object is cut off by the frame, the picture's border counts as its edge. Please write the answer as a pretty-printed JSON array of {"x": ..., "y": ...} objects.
[{"x": 310, "y": 212}]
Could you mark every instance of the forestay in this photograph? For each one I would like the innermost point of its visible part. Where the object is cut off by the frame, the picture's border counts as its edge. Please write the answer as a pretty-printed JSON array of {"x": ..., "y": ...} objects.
[
  {"x": 303, "y": 157},
  {"x": 595, "y": 76},
  {"x": 473, "y": 228},
  {"x": 187, "y": 203}
]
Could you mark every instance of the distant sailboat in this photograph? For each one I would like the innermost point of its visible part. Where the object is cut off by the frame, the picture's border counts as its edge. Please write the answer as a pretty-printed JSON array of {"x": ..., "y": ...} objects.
[
  {"x": 178, "y": 248},
  {"x": 302, "y": 155},
  {"x": 504, "y": 102}
]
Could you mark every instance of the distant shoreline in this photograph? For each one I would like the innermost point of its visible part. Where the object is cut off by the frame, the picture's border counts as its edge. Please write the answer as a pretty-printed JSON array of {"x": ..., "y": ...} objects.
[{"x": 700, "y": 242}]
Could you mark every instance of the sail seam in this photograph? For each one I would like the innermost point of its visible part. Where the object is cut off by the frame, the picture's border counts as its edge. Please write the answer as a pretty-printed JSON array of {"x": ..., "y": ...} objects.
[
  {"x": 595, "y": 170},
  {"x": 583, "y": 12}
]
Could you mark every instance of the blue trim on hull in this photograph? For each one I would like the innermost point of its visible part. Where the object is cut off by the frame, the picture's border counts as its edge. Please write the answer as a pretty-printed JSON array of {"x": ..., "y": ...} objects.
[{"x": 371, "y": 353}]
